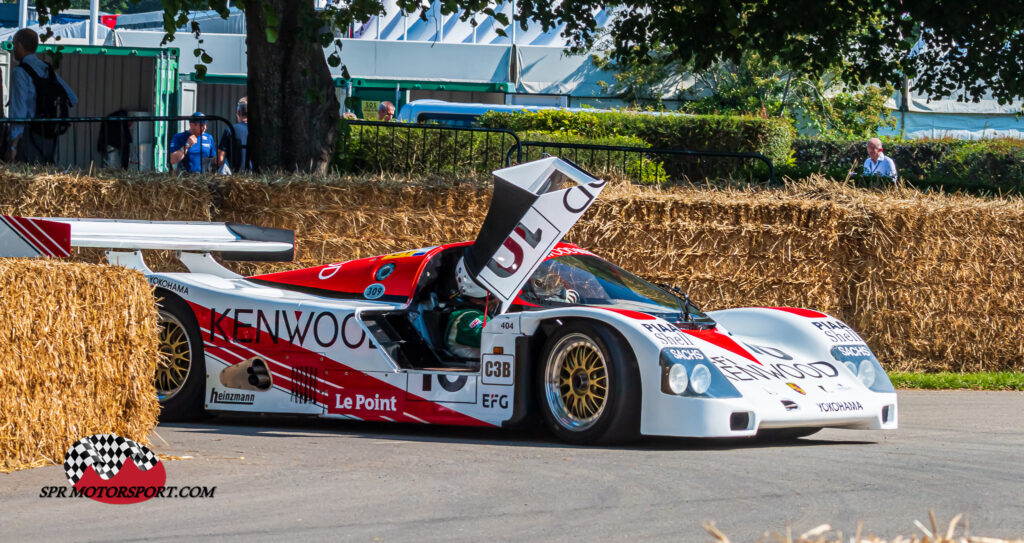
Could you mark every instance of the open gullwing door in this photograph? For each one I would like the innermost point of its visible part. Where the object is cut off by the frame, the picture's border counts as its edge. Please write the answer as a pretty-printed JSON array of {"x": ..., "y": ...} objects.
[{"x": 533, "y": 206}]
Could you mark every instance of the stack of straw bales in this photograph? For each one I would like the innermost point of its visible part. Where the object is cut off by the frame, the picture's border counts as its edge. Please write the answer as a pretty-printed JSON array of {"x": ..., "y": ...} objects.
[
  {"x": 932, "y": 281},
  {"x": 78, "y": 350}
]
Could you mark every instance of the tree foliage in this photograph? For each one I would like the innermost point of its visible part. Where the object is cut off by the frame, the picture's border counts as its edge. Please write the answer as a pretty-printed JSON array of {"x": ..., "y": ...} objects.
[
  {"x": 964, "y": 50},
  {"x": 756, "y": 86}
]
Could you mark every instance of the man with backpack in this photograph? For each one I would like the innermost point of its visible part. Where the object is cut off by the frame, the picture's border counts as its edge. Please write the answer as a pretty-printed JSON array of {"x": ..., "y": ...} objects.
[{"x": 36, "y": 92}]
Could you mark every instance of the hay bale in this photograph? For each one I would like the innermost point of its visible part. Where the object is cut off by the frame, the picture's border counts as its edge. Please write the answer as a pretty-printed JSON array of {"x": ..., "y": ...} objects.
[
  {"x": 78, "y": 351},
  {"x": 932, "y": 281}
]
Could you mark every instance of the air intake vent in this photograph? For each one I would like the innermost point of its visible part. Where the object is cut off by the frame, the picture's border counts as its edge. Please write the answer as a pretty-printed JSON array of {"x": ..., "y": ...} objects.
[
  {"x": 886, "y": 413},
  {"x": 790, "y": 405},
  {"x": 739, "y": 421}
]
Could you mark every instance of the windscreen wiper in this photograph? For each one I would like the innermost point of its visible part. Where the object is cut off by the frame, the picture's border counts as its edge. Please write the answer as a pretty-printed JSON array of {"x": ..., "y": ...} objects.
[{"x": 685, "y": 299}]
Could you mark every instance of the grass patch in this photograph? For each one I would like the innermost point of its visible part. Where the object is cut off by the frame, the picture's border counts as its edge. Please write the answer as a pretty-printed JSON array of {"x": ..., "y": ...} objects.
[{"x": 983, "y": 380}]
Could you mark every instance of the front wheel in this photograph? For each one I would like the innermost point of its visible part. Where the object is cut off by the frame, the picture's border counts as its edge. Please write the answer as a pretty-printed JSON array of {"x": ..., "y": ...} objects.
[
  {"x": 181, "y": 371},
  {"x": 589, "y": 384}
]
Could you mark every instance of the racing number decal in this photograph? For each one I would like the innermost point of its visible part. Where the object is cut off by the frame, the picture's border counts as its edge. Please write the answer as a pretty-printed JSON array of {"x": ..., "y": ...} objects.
[
  {"x": 505, "y": 325},
  {"x": 498, "y": 370}
]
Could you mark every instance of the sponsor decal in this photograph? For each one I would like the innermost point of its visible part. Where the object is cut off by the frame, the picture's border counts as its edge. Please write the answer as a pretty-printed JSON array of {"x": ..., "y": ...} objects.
[
  {"x": 567, "y": 251},
  {"x": 112, "y": 469},
  {"x": 160, "y": 282},
  {"x": 545, "y": 213},
  {"x": 768, "y": 351},
  {"x": 778, "y": 371},
  {"x": 297, "y": 327},
  {"x": 491, "y": 400},
  {"x": 384, "y": 271},
  {"x": 373, "y": 291},
  {"x": 361, "y": 402},
  {"x": 796, "y": 388},
  {"x": 837, "y": 331},
  {"x": 836, "y": 407},
  {"x": 406, "y": 254},
  {"x": 687, "y": 354},
  {"x": 666, "y": 334},
  {"x": 854, "y": 351},
  {"x": 329, "y": 270},
  {"x": 228, "y": 397},
  {"x": 353, "y": 339}
]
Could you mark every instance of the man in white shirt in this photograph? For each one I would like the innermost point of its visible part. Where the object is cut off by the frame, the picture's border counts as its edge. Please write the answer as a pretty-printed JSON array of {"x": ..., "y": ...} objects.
[
  {"x": 29, "y": 144},
  {"x": 877, "y": 163}
]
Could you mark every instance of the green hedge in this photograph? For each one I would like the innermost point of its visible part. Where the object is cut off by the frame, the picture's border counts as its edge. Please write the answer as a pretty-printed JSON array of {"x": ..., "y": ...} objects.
[
  {"x": 399, "y": 149},
  {"x": 637, "y": 167},
  {"x": 771, "y": 137},
  {"x": 973, "y": 165}
]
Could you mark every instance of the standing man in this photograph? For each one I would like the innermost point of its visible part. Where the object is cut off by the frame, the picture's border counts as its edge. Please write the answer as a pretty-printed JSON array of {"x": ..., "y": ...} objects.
[
  {"x": 36, "y": 92},
  {"x": 233, "y": 150},
  {"x": 385, "y": 111},
  {"x": 190, "y": 148},
  {"x": 877, "y": 163}
]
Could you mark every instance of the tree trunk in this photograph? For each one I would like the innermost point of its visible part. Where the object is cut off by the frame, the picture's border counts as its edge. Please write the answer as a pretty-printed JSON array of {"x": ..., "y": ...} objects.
[{"x": 293, "y": 110}]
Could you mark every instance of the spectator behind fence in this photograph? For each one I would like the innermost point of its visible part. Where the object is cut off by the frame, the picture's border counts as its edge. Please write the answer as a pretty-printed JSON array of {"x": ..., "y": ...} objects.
[
  {"x": 36, "y": 92},
  {"x": 385, "y": 111},
  {"x": 193, "y": 148},
  {"x": 232, "y": 153},
  {"x": 877, "y": 163},
  {"x": 115, "y": 141}
]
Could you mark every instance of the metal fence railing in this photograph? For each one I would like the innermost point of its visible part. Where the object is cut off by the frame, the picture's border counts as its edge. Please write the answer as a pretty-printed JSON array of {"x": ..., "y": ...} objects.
[
  {"x": 640, "y": 164},
  {"x": 85, "y": 143},
  {"x": 376, "y": 146}
]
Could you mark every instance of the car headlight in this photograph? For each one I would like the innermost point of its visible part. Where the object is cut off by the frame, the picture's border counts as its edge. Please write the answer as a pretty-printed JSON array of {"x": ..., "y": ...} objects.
[
  {"x": 700, "y": 379},
  {"x": 686, "y": 371},
  {"x": 677, "y": 379},
  {"x": 863, "y": 364},
  {"x": 866, "y": 372}
]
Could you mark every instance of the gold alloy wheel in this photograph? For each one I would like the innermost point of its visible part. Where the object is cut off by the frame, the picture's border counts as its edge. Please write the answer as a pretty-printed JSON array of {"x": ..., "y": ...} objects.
[
  {"x": 175, "y": 357},
  {"x": 576, "y": 382}
]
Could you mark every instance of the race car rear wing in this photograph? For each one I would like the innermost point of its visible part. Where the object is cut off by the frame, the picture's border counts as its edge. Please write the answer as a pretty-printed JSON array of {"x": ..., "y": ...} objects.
[{"x": 28, "y": 237}]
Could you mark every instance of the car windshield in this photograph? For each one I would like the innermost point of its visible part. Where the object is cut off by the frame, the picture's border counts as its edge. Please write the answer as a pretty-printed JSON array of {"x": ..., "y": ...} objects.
[{"x": 581, "y": 279}]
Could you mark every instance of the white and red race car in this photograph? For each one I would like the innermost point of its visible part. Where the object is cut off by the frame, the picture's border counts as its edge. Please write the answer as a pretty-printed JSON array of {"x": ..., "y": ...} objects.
[{"x": 601, "y": 355}]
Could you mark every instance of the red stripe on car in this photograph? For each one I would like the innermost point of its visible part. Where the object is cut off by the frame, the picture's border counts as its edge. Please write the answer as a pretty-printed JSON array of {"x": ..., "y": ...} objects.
[
  {"x": 719, "y": 339},
  {"x": 810, "y": 314}
]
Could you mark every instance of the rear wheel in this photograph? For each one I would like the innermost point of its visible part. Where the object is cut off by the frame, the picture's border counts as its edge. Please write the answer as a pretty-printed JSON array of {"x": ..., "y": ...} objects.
[
  {"x": 589, "y": 385},
  {"x": 181, "y": 371}
]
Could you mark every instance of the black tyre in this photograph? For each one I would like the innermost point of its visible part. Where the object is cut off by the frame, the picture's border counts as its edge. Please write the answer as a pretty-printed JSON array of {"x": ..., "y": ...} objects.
[
  {"x": 589, "y": 386},
  {"x": 181, "y": 372},
  {"x": 778, "y": 435}
]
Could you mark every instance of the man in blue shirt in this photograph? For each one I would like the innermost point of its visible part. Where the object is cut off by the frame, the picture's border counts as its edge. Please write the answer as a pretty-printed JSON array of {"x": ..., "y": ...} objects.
[
  {"x": 30, "y": 145},
  {"x": 877, "y": 163},
  {"x": 189, "y": 149}
]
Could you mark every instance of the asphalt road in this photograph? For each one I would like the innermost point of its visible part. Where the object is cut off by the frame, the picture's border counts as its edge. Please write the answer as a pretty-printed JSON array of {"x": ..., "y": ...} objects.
[{"x": 285, "y": 479}]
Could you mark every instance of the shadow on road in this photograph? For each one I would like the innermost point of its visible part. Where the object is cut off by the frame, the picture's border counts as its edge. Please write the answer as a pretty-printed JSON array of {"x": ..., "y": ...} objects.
[{"x": 291, "y": 427}]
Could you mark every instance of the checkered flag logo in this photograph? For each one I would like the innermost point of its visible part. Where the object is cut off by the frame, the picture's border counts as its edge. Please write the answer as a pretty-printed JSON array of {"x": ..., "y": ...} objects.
[{"x": 106, "y": 453}]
